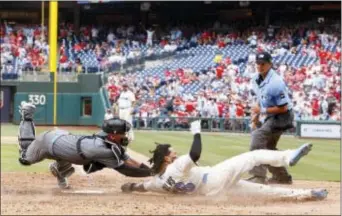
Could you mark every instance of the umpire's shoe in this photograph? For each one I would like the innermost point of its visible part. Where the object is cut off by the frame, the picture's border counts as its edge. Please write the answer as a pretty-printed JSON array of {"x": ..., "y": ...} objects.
[{"x": 61, "y": 179}]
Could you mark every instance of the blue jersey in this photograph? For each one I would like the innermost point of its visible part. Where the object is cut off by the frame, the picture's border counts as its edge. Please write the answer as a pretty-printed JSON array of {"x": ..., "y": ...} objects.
[{"x": 272, "y": 91}]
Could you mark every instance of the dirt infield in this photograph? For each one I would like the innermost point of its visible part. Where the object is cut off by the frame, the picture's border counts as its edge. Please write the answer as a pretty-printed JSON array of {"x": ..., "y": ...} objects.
[
  {"x": 27, "y": 193},
  {"x": 32, "y": 194}
]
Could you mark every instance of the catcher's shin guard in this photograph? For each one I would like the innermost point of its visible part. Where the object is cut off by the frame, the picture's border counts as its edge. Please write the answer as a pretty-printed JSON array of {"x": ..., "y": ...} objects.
[
  {"x": 26, "y": 128},
  {"x": 26, "y": 111},
  {"x": 62, "y": 170}
]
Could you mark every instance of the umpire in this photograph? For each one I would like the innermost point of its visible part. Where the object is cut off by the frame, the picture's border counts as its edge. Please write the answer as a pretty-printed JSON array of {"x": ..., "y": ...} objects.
[{"x": 274, "y": 104}]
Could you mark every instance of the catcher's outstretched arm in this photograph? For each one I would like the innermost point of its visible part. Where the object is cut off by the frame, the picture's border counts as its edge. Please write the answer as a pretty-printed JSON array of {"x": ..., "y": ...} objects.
[
  {"x": 134, "y": 163},
  {"x": 130, "y": 171}
]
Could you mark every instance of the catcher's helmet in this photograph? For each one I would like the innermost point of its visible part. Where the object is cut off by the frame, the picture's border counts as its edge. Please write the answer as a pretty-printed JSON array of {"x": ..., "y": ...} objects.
[{"x": 114, "y": 126}]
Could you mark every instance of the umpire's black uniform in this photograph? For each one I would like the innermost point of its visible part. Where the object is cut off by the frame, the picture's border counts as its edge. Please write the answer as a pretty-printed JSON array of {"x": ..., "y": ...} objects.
[{"x": 271, "y": 91}]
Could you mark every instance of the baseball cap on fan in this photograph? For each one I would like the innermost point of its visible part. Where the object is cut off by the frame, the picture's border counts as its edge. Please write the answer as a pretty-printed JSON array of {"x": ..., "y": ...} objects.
[{"x": 263, "y": 57}]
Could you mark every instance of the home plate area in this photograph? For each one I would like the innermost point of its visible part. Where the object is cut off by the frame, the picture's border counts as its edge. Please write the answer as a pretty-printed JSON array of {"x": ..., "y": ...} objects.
[
  {"x": 83, "y": 191},
  {"x": 24, "y": 193}
]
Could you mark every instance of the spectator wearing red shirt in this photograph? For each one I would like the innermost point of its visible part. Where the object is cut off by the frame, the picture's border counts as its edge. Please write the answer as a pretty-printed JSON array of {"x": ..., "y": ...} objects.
[
  {"x": 77, "y": 47},
  {"x": 219, "y": 71},
  {"x": 167, "y": 73},
  {"x": 36, "y": 32},
  {"x": 113, "y": 92},
  {"x": 239, "y": 109},
  {"x": 180, "y": 73},
  {"x": 221, "y": 108},
  {"x": 162, "y": 102},
  {"x": 63, "y": 59},
  {"x": 62, "y": 50},
  {"x": 221, "y": 44},
  {"x": 35, "y": 62},
  {"x": 312, "y": 36},
  {"x": 205, "y": 35},
  {"x": 185, "y": 80},
  {"x": 299, "y": 77},
  {"x": 35, "y": 51},
  {"x": 86, "y": 33},
  {"x": 315, "y": 109},
  {"x": 15, "y": 51},
  {"x": 2, "y": 31},
  {"x": 20, "y": 38},
  {"x": 337, "y": 95},
  {"x": 228, "y": 61},
  {"x": 238, "y": 80},
  {"x": 323, "y": 56},
  {"x": 163, "y": 42},
  {"x": 189, "y": 106}
]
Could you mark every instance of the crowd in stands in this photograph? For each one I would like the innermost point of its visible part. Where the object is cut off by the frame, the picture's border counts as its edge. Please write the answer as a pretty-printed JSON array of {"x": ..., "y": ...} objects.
[
  {"x": 314, "y": 88},
  {"x": 23, "y": 47}
]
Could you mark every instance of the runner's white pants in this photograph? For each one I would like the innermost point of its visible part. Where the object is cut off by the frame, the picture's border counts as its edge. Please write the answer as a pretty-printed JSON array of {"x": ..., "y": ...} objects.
[{"x": 227, "y": 174}]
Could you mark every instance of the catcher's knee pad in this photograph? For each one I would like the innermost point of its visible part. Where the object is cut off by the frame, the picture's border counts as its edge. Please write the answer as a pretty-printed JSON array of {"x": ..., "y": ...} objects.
[
  {"x": 62, "y": 169},
  {"x": 26, "y": 134}
]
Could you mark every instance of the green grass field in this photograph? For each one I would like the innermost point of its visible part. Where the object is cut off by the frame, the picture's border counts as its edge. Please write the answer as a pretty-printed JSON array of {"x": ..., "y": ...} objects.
[{"x": 323, "y": 162}]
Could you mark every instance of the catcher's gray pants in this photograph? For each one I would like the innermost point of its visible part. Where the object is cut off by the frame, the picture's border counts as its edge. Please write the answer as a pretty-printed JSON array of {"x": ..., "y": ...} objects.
[
  {"x": 267, "y": 138},
  {"x": 41, "y": 148},
  {"x": 38, "y": 150}
]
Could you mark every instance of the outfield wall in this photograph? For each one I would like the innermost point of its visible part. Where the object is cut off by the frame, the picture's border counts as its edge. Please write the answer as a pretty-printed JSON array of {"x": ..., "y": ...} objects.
[
  {"x": 303, "y": 129},
  {"x": 84, "y": 103},
  {"x": 78, "y": 103}
]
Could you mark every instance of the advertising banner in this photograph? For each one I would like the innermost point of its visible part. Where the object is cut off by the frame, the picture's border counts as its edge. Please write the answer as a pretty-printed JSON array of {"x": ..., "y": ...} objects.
[{"x": 331, "y": 131}]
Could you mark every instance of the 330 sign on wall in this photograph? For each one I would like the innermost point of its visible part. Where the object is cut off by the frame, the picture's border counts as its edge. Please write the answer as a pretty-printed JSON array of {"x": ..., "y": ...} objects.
[{"x": 37, "y": 99}]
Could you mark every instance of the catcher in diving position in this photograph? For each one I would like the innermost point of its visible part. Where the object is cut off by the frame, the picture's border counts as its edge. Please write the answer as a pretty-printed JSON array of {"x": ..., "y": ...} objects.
[
  {"x": 104, "y": 149},
  {"x": 181, "y": 175}
]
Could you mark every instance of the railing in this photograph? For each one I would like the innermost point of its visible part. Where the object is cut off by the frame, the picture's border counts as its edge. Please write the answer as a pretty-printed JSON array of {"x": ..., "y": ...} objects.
[
  {"x": 69, "y": 74},
  {"x": 234, "y": 125}
]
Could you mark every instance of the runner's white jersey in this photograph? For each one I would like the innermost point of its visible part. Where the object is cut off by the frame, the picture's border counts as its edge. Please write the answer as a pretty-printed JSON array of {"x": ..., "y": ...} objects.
[{"x": 182, "y": 176}]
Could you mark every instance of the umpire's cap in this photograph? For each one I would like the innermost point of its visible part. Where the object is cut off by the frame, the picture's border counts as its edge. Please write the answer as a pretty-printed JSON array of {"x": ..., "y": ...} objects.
[
  {"x": 263, "y": 57},
  {"x": 114, "y": 125}
]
